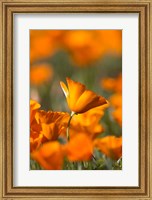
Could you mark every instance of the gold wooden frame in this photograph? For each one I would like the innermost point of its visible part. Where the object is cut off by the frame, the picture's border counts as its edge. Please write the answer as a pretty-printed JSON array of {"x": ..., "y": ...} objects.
[{"x": 7, "y": 9}]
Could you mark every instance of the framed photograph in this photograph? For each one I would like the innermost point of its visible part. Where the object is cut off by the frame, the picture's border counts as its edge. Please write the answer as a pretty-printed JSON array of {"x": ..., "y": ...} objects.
[{"x": 75, "y": 104}]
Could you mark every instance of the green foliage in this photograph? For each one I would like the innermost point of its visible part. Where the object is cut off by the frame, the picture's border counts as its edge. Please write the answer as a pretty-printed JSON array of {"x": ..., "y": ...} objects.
[{"x": 34, "y": 165}]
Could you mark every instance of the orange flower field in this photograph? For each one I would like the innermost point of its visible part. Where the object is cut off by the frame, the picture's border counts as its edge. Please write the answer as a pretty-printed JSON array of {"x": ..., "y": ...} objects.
[{"x": 76, "y": 100}]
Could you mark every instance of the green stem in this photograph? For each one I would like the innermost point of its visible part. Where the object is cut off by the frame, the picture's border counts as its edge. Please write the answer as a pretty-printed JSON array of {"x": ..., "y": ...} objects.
[{"x": 72, "y": 114}]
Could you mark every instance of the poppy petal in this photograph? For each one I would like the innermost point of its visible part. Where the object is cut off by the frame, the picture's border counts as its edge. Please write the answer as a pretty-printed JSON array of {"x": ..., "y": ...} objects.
[
  {"x": 89, "y": 100},
  {"x": 65, "y": 89},
  {"x": 76, "y": 89}
]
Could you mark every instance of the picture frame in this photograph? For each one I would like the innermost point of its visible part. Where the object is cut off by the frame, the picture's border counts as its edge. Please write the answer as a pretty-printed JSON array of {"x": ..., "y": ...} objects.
[{"x": 8, "y": 9}]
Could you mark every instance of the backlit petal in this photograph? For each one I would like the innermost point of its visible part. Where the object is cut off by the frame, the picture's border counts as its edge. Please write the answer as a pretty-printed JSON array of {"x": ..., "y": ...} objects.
[
  {"x": 65, "y": 89},
  {"x": 76, "y": 89}
]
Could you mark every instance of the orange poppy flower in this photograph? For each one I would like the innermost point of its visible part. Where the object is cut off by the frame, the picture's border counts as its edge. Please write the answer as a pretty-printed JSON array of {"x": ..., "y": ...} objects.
[
  {"x": 80, "y": 99},
  {"x": 49, "y": 156},
  {"x": 52, "y": 124},
  {"x": 45, "y": 126},
  {"x": 111, "y": 146},
  {"x": 79, "y": 148},
  {"x": 40, "y": 74}
]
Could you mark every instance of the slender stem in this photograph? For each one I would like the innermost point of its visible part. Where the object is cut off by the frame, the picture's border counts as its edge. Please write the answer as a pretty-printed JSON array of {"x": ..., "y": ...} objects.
[
  {"x": 72, "y": 114},
  {"x": 94, "y": 157}
]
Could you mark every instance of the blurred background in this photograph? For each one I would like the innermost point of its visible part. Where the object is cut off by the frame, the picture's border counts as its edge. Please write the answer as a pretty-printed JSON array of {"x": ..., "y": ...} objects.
[{"x": 92, "y": 57}]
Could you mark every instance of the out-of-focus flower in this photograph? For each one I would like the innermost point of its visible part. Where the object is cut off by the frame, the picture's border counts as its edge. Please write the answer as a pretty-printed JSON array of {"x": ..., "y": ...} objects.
[
  {"x": 40, "y": 45},
  {"x": 115, "y": 85},
  {"x": 40, "y": 74},
  {"x": 112, "y": 84},
  {"x": 80, "y": 99},
  {"x": 116, "y": 100},
  {"x": 117, "y": 114},
  {"x": 111, "y": 40},
  {"x": 88, "y": 122},
  {"x": 43, "y": 43},
  {"x": 111, "y": 146},
  {"x": 49, "y": 156},
  {"x": 79, "y": 148},
  {"x": 86, "y": 46}
]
